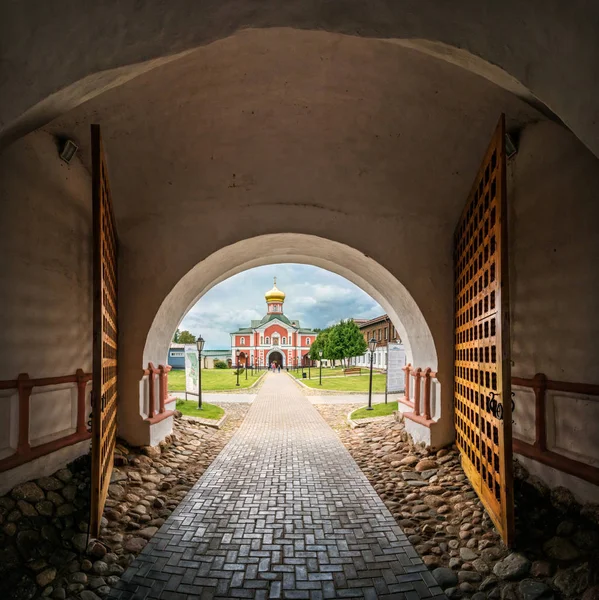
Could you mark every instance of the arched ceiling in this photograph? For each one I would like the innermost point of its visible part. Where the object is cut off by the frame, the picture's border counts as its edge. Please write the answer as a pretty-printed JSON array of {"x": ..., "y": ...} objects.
[
  {"x": 56, "y": 56},
  {"x": 284, "y": 117}
]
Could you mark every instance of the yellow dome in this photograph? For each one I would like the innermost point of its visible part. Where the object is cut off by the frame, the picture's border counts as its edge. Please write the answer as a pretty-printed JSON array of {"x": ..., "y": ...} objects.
[{"x": 275, "y": 294}]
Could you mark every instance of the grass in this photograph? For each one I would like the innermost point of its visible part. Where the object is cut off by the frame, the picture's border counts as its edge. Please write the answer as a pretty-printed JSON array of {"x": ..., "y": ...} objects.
[
  {"x": 378, "y": 410},
  {"x": 209, "y": 411},
  {"x": 213, "y": 380},
  {"x": 326, "y": 372},
  {"x": 349, "y": 384}
]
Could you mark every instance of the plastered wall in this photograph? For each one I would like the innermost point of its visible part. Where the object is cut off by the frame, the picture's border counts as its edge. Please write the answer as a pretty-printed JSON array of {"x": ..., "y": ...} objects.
[
  {"x": 554, "y": 278},
  {"x": 45, "y": 293}
]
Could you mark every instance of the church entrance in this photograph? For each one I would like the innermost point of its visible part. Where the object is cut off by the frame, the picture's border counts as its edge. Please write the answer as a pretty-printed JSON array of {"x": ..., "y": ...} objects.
[{"x": 275, "y": 357}]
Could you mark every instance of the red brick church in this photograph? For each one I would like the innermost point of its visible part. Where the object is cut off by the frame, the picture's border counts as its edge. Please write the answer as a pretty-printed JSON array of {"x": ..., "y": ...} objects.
[{"x": 274, "y": 338}]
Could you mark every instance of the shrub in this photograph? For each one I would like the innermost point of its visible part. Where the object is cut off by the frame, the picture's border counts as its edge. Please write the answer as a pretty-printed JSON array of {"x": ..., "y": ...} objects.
[{"x": 220, "y": 364}]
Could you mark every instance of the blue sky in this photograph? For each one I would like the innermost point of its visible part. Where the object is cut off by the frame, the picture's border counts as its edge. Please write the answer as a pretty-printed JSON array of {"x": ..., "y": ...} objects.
[{"x": 314, "y": 296}]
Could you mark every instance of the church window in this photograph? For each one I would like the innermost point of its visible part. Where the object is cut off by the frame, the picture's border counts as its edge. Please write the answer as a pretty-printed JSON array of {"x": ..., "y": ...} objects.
[
  {"x": 284, "y": 341},
  {"x": 307, "y": 341},
  {"x": 267, "y": 340},
  {"x": 241, "y": 341}
]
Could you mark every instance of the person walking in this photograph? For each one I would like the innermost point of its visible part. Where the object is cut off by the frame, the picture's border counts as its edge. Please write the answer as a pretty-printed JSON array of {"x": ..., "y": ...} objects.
[{"x": 279, "y": 368}]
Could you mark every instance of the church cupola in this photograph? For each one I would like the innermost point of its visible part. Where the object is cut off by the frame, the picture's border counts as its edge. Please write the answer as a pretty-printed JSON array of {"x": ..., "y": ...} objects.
[{"x": 274, "y": 299}]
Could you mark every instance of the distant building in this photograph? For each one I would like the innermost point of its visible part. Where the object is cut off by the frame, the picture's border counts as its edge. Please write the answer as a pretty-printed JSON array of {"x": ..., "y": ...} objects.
[
  {"x": 383, "y": 331},
  {"x": 273, "y": 339},
  {"x": 176, "y": 357}
]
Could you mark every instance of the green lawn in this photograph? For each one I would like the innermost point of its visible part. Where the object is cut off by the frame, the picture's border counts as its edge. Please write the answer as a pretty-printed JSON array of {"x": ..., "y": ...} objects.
[
  {"x": 213, "y": 380},
  {"x": 209, "y": 411},
  {"x": 326, "y": 372},
  {"x": 378, "y": 410},
  {"x": 349, "y": 383}
]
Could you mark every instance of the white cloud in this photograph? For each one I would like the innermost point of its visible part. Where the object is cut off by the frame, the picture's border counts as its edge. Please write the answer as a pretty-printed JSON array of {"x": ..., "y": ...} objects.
[{"x": 316, "y": 297}]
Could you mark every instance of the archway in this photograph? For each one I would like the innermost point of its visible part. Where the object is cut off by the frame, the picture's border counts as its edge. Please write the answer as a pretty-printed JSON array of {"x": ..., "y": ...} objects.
[
  {"x": 276, "y": 357},
  {"x": 561, "y": 81},
  {"x": 421, "y": 347}
]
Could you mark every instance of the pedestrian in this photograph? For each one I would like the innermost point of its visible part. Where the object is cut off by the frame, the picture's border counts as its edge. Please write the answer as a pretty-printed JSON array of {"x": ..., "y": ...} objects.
[{"x": 279, "y": 368}]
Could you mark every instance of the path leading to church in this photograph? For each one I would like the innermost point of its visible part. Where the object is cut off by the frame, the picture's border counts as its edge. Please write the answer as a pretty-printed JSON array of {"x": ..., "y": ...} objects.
[{"x": 283, "y": 512}]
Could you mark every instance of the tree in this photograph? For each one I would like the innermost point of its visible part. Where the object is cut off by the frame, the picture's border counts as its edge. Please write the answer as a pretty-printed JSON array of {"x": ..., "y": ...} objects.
[
  {"x": 345, "y": 341},
  {"x": 176, "y": 336},
  {"x": 319, "y": 344},
  {"x": 185, "y": 337}
]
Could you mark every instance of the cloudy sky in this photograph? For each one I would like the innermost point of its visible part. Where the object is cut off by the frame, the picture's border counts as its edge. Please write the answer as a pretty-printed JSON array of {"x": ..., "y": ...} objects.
[{"x": 314, "y": 296}]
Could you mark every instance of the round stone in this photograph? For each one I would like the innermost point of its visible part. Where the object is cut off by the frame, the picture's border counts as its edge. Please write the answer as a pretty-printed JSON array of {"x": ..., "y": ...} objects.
[
  {"x": 445, "y": 577},
  {"x": 29, "y": 491},
  {"x": 46, "y": 577},
  {"x": 531, "y": 589},
  {"x": 514, "y": 566}
]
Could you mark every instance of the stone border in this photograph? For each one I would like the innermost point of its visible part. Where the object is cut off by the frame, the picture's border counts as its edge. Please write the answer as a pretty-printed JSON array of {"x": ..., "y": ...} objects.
[
  {"x": 353, "y": 423},
  {"x": 319, "y": 392},
  {"x": 207, "y": 422}
]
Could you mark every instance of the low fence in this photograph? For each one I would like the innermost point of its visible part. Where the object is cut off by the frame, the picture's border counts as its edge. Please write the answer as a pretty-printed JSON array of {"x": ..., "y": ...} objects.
[
  {"x": 418, "y": 393},
  {"x": 539, "y": 449},
  {"x": 158, "y": 375},
  {"x": 25, "y": 451}
]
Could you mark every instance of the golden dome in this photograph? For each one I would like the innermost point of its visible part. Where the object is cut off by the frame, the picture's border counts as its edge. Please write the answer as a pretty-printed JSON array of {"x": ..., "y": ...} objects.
[{"x": 275, "y": 294}]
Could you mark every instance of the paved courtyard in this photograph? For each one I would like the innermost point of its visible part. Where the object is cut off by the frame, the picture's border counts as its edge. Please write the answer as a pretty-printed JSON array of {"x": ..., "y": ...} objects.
[{"x": 283, "y": 512}]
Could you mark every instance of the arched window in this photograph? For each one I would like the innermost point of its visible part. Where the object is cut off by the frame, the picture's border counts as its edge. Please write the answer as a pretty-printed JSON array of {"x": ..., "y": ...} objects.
[
  {"x": 267, "y": 340},
  {"x": 307, "y": 341},
  {"x": 261, "y": 339},
  {"x": 284, "y": 341},
  {"x": 241, "y": 341}
]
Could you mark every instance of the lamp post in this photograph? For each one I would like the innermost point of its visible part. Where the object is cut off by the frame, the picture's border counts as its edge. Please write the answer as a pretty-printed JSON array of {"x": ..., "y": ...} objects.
[
  {"x": 320, "y": 362},
  {"x": 309, "y": 364},
  {"x": 252, "y": 367},
  {"x": 237, "y": 365},
  {"x": 372, "y": 348},
  {"x": 200, "y": 344},
  {"x": 245, "y": 365}
]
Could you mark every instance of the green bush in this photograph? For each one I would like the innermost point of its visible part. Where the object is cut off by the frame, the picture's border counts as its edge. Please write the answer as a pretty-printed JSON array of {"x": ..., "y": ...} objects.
[
  {"x": 241, "y": 370},
  {"x": 220, "y": 364}
]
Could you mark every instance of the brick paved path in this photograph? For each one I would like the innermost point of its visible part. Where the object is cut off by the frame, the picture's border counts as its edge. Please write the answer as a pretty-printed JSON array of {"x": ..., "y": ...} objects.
[{"x": 283, "y": 512}]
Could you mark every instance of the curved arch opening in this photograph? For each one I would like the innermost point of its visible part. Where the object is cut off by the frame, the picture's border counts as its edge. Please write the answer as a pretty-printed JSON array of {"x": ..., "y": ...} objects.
[{"x": 338, "y": 258}]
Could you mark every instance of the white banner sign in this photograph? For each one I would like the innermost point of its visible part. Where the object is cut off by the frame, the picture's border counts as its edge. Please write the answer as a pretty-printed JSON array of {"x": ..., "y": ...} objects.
[
  {"x": 192, "y": 365},
  {"x": 396, "y": 361}
]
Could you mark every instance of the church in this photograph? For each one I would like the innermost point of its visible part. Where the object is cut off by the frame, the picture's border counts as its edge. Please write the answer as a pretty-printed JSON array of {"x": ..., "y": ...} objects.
[{"x": 273, "y": 339}]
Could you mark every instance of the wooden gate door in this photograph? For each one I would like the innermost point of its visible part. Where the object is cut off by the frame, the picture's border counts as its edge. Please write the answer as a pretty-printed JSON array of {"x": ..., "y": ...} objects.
[
  {"x": 482, "y": 391},
  {"x": 104, "y": 394}
]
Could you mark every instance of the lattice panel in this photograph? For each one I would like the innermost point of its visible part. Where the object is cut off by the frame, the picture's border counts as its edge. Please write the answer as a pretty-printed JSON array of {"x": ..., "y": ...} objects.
[
  {"x": 104, "y": 407},
  {"x": 482, "y": 400}
]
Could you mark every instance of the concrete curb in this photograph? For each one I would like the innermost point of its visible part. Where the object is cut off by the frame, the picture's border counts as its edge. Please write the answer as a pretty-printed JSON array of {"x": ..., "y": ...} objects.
[
  {"x": 207, "y": 422},
  {"x": 363, "y": 422}
]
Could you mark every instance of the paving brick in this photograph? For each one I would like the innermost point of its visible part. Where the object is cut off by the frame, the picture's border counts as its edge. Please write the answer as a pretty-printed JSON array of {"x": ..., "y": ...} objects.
[{"x": 282, "y": 512}]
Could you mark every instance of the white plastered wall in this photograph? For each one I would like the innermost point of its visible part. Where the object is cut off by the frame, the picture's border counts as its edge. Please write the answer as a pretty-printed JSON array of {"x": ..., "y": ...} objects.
[
  {"x": 554, "y": 278},
  {"x": 45, "y": 294}
]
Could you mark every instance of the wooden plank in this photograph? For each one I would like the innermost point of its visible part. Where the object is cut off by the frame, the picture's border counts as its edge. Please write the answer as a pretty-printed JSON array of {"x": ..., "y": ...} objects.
[
  {"x": 482, "y": 390},
  {"x": 105, "y": 321}
]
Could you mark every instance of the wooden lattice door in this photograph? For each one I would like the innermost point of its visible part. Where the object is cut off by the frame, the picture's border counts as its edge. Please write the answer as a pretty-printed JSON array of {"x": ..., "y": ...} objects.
[
  {"x": 104, "y": 393},
  {"x": 482, "y": 391}
]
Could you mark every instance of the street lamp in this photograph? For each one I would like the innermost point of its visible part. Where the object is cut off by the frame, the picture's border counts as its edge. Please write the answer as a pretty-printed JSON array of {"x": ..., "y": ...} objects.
[
  {"x": 200, "y": 344},
  {"x": 237, "y": 365},
  {"x": 245, "y": 364},
  {"x": 252, "y": 366},
  {"x": 320, "y": 353},
  {"x": 372, "y": 348}
]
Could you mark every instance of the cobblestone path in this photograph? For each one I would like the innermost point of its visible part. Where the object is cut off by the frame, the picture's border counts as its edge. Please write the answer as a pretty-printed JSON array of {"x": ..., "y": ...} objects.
[{"x": 283, "y": 512}]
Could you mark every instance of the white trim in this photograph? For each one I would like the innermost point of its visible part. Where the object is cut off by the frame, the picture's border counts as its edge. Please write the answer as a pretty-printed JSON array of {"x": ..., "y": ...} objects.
[{"x": 282, "y": 352}]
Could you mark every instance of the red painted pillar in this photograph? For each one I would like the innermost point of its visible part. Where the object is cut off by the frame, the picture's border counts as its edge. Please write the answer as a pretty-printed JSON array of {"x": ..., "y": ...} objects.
[
  {"x": 151, "y": 392},
  {"x": 407, "y": 369},
  {"x": 417, "y": 374},
  {"x": 81, "y": 385},
  {"x": 24, "y": 387}
]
